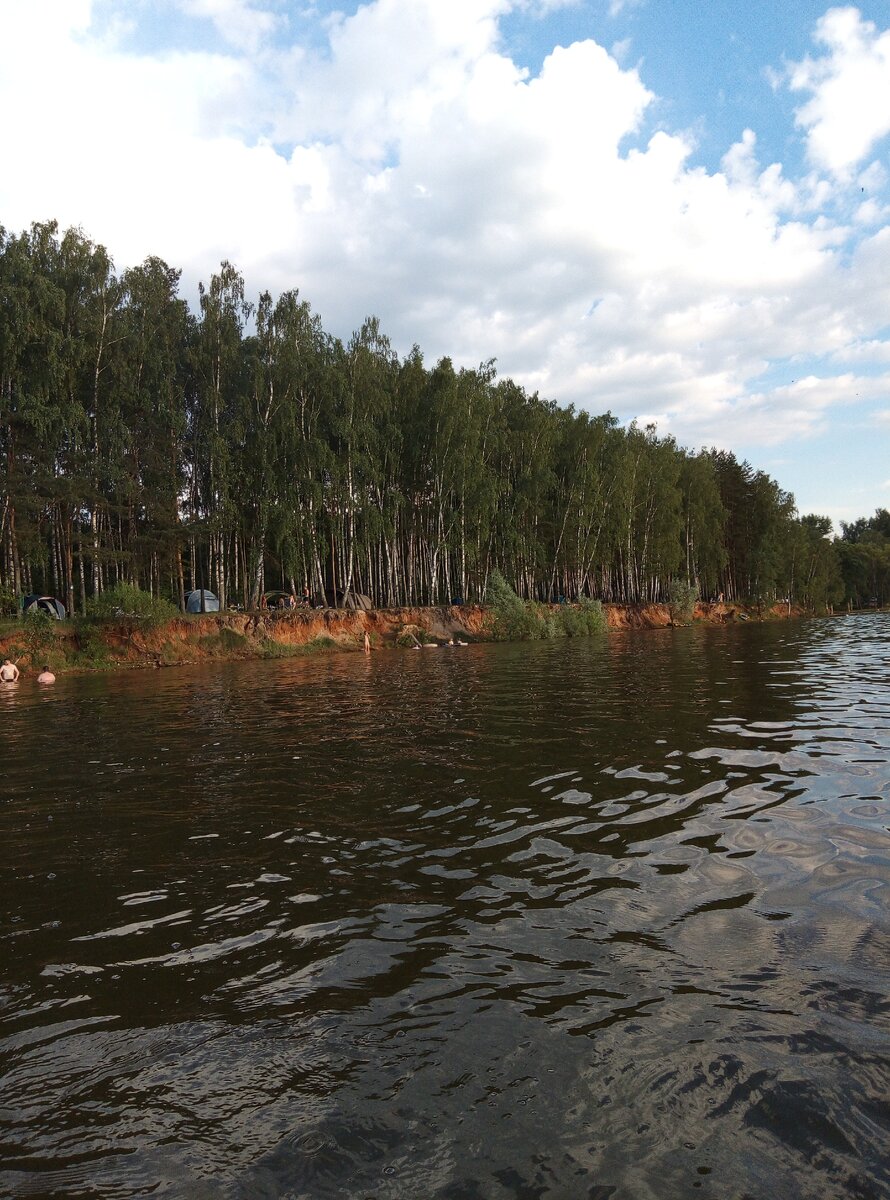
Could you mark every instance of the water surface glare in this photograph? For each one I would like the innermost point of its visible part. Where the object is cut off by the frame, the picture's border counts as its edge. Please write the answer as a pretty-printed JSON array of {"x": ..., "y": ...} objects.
[{"x": 605, "y": 919}]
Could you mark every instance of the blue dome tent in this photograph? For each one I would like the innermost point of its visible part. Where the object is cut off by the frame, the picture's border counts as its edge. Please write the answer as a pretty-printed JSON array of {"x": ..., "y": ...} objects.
[
  {"x": 193, "y": 602},
  {"x": 47, "y": 604}
]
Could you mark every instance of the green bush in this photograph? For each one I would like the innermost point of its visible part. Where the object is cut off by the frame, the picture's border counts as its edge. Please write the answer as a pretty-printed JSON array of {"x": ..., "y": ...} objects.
[
  {"x": 124, "y": 600},
  {"x": 583, "y": 619},
  {"x": 39, "y": 635},
  {"x": 409, "y": 636},
  {"x": 225, "y": 642},
  {"x": 682, "y": 597},
  {"x": 91, "y": 649},
  {"x": 231, "y": 639},
  {"x": 322, "y": 642},
  {"x": 571, "y": 621},
  {"x": 512, "y": 619},
  {"x": 515, "y": 620},
  {"x": 9, "y": 606}
]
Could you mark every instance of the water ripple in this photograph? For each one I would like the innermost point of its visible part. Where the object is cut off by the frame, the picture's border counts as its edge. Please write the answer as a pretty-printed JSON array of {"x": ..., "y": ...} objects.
[{"x": 605, "y": 920}]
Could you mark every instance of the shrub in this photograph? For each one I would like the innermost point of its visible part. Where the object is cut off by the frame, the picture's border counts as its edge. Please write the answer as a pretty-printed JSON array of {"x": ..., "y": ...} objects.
[
  {"x": 225, "y": 642},
  {"x": 231, "y": 639},
  {"x": 583, "y": 619},
  {"x": 8, "y": 603},
  {"x": 39, "y": 630},
  {"x": 91, "y": 649},
  {"x": 124, "y": 600},
  {"x": 681, "y": 600},
  {"x": 515, "y": 620},
  {"x": 512, "y": 619},
  {"x": 322, "y": 642},
  {"x": 409, "y": 635},
  {"x": 589, "y": 618},
  {"x": 571, "y": 621}
]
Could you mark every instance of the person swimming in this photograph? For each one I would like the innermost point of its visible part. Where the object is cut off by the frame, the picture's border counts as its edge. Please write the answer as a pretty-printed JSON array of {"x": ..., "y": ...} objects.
[
  {"x": 9, "y": 672},
  {"x": 46, "y": 676}
]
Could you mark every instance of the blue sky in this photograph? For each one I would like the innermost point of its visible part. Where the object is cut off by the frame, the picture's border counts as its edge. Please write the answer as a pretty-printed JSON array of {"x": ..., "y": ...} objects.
[{"x": 676, "y": 211}]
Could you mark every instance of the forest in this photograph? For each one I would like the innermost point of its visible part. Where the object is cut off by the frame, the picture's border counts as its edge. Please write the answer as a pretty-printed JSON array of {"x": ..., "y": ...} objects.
[{"x": 240, "y": 447}]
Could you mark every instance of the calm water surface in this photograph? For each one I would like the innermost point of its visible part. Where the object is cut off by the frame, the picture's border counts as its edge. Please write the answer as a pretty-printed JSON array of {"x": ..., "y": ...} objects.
[{"x": 605, "y": 919}]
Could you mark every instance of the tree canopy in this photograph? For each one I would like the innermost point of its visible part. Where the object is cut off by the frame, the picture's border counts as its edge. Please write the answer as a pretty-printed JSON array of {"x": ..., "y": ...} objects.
[{"x": 241, "y": 447}]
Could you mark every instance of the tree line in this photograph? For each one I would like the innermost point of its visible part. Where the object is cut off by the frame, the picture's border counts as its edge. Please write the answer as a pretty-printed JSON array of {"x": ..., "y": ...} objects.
[{"x": 241, "y": 447}]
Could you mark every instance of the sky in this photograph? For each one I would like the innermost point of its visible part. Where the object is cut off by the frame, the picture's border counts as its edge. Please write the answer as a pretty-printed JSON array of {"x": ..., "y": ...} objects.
[{"x": 675, "y": 211}]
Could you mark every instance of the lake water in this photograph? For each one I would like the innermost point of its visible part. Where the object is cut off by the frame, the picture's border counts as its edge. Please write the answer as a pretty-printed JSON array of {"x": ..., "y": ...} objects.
[{"x": 600, "y": 919}]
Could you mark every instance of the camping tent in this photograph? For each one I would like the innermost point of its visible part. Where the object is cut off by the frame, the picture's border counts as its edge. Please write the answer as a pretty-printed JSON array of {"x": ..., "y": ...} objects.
[
  {"x": 193, "y": 602},
  {"x": 340, "y": 599},
  {"x": 274, "y": 599},
  {"x": 47, "y": 604}
]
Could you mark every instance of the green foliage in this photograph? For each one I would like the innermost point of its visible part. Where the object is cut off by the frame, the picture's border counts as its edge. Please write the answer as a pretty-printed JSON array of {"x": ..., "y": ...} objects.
[
  {"x": 268, "y": 648},
  {"x": 39, "y": 636},
  {"x": 92, "y": 651},
  {"x": 8, "y": 601},
  {"x": 815, "y": 578},
  {"x": 225, "y": 643},
  {"x": 864, "y": 560},
  {"x": 584, "y": 619},
  {"x": 230, "y": 639},
  {"x": 867, "y": 529},
  {"x": 124, "y": 600},
  {"x": 682, "y": 598},
  {"x": 510, "y": 618},
  {"x": 572, "y": 620},
  {"x": 516, "y": 620},
  {"x": 410, "y": 635},
  {"x": 245, "y": 448},
  {"x": 321, "y": 643}
]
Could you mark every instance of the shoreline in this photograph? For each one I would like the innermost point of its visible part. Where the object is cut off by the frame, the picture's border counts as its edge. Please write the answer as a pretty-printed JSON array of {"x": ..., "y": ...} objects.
[{"x": 131, "y": 643}]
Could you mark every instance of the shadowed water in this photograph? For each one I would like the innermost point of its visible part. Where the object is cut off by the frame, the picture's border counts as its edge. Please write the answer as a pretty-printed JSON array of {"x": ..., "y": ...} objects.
[{"x": 600, "y": 919}]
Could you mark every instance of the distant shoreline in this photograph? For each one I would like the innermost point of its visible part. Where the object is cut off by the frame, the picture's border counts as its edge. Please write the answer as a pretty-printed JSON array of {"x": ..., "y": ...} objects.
[{"x": 131, "y": 642}]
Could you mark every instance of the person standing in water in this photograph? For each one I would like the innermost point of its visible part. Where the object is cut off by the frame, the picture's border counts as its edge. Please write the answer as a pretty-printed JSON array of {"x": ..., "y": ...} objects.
[
  {"x": 367, "y": 642},
  {"x": 46, "y": 676},
  {"x": 9, "y": 672}
]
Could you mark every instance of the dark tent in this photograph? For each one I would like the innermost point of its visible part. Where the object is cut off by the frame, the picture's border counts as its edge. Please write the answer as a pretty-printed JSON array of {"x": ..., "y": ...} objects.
[
  {"x": 193, "y": 602},
  {"x": 340, "y": 599},
  {"x": 277, "y": 600},
  {"x": 47, "y": 604}
]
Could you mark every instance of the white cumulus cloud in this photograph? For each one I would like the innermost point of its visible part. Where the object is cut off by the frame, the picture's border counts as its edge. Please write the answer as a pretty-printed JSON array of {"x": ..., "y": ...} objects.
[
  {"x": 402, "y": 164},
  {"x": 239, "y": 22},
  {"x": 848, "y": 110}
]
